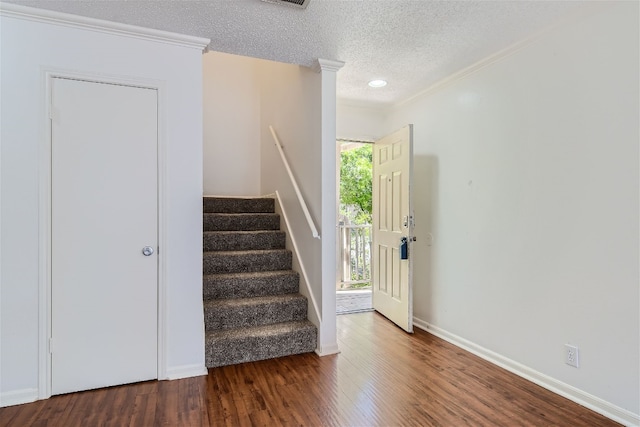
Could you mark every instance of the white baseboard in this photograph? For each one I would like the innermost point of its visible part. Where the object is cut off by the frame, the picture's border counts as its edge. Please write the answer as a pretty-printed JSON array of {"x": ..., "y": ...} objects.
[
  {"x": 18, "y": 397},
  {"x": 578, "y": 396},
  {"x": 327, "y": 350},
  {"x": 186, "y": 371},
  {"x": 29, "y": 395}
]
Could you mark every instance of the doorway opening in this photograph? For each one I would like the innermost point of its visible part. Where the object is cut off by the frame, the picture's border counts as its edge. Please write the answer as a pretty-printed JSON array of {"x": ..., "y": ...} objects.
[{"x": 353, "y": 287}]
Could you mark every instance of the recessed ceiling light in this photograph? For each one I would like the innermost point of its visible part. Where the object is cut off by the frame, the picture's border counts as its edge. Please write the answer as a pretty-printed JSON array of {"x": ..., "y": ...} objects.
[
  {"x": 295, "y": 3},
  {"x": 377, "y": 83}
]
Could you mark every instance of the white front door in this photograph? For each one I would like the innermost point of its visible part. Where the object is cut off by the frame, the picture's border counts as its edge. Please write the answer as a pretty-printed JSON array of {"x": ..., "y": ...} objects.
[
  {"x": 104, "y": 210},
  {"x": 393, "y": 222}
]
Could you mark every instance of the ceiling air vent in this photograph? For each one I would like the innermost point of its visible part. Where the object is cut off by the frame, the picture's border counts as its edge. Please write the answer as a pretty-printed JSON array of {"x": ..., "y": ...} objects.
[{"x": 302, "y": 4}]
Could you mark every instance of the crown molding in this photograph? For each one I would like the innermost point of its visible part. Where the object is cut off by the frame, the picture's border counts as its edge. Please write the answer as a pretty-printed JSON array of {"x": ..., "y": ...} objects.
[
  {"x": 327, "y": 65},
  {"x": 101, "y": 26},
  {"x": 590, "y": 9}
]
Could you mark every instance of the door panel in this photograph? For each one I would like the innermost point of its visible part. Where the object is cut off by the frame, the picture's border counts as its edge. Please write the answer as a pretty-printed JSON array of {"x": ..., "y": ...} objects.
[
  {"x": 393, "y": 220},
  {"x": 396, "y": 201},
  {"x": 382, "y": 207},
  {"x": 104, "y": 211}
]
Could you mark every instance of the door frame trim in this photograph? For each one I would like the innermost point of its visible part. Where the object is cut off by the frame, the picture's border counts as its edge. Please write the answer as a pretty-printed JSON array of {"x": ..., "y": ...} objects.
[{"x": 44, "y": 217}]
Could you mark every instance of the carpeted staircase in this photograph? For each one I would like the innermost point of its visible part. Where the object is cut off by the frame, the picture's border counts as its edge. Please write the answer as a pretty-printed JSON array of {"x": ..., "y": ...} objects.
[{"x": 252, "y": 308}]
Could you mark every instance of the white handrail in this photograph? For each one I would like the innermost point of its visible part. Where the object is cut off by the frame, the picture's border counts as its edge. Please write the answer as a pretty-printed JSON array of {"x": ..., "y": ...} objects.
[{"x": 303, "y": 205}]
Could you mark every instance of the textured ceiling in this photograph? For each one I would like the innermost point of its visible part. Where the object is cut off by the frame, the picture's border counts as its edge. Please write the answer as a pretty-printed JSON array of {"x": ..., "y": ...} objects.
[{"x": 410, "y": 43}]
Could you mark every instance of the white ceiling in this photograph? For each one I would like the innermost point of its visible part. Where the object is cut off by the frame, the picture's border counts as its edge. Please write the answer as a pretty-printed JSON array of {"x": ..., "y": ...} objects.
[{"x": 410, "y": 43}]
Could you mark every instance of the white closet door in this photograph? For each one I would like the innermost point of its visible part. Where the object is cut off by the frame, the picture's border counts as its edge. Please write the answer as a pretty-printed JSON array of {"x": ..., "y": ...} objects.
[{"x": 104, "y": 212}]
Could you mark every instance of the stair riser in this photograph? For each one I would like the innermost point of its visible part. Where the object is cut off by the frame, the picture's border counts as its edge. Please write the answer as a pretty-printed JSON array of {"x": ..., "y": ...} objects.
[
  {"x": 232, "y": 351},
  {"x": 240, "y": 222},
  {"x": 230, "y": 287},
  {"x": 226, "y": 317},
  {"x": 228, "y": 262},
  {"x": 228, "y": 241},
  {"x": 233, "y": 205}
]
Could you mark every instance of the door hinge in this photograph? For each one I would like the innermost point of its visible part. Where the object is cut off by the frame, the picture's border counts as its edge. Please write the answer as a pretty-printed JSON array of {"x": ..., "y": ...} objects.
[{"x": 50, "y": 345}]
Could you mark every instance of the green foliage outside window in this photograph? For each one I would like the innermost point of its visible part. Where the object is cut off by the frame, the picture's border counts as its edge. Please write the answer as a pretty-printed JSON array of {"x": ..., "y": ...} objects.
[{"x": 355, "y": 184}]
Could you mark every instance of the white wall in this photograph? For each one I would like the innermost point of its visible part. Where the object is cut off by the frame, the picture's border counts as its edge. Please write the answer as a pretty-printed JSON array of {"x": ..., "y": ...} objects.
[
  {"x": 29, "y": 48},
  {"x": 231, "y": 125},
  {"x": 359, "y": 122},
  {"x": 291, "y": 103},
  {"x": 527, "y": 177},
  {"x": 300, "y": 104}
]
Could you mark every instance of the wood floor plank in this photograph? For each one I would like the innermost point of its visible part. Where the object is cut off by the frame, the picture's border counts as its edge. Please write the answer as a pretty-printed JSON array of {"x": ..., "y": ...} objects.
[
  {"x": 382, "y": 377},
  {"x": 144, "y": 410}
]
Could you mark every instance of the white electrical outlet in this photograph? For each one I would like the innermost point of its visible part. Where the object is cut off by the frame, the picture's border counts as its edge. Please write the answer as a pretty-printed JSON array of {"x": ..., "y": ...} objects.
[{"x": 571, "y": 355}]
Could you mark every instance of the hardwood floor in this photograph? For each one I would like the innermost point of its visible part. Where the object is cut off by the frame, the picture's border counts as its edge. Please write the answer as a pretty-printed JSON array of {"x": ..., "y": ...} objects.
[{"x": 382, "y": 377}]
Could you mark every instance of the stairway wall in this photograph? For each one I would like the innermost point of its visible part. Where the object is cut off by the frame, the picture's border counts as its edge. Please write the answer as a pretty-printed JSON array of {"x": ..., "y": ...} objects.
[
  {"x": 301, "y": 105},
  {"x": 290, "y": 102},
  {"x": 313, "y": 311},
  {"x": 231, "y": 105}
]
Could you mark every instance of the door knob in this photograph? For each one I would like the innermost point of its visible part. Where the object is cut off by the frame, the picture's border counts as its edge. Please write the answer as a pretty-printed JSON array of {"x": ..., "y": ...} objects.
[{"x": 147, "y": 251}]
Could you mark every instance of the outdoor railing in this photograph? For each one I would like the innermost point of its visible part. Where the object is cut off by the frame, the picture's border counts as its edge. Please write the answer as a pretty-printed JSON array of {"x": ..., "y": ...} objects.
[{"x": 355, "y": 256}]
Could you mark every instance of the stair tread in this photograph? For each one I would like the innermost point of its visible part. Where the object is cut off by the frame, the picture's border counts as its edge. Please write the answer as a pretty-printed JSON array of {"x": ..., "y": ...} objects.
[
  {"x": 214, "y": 262},
  {"x": 247, "y": 252},
  {"x": 230, "y": 232},
  {"x": 261, "y": 300},
  {"x": 250, "y": 284},
  {"x": 250, "y": 344},
  {"x": 229, "y": 240},
  {"x": 240, "y": 221},
  {"x": 252, "y": 274},
  {"x": 238, "y": 204},
  {"x": 240, "y": 214},
  {"x": 264, "y": 330}
]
